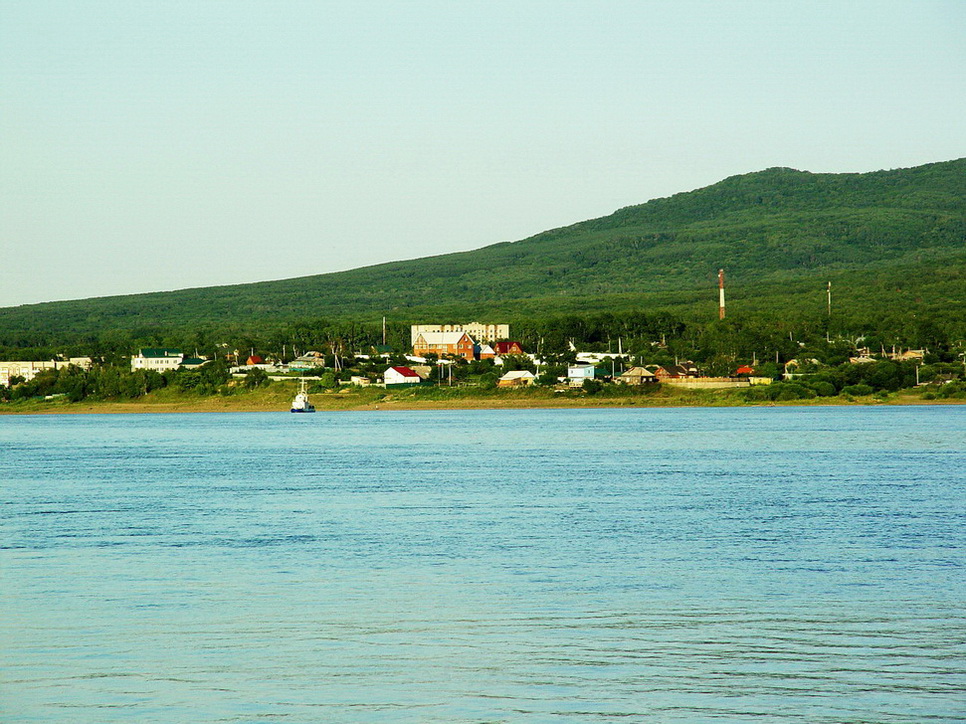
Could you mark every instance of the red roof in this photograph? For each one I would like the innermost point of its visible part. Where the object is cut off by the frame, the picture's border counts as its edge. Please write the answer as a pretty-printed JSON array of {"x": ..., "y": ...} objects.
[
  {"x": 405, "y": 371},
  {"x": 745, "y": 370},
  {"x": 255, "y": 360},
  {"x": 507, "y": 347}
]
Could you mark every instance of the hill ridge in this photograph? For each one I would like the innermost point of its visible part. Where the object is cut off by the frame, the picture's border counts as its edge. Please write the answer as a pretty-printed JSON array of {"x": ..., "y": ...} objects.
[{"x": 770, "y": 227}]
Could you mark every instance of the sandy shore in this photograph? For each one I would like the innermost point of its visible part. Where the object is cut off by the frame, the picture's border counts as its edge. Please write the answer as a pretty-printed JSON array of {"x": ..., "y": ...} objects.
[{"x": 278, "y": 399}]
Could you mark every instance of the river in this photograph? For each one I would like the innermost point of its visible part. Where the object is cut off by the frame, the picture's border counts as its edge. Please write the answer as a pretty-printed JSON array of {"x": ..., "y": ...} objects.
[{"x": 681, "y": 565}]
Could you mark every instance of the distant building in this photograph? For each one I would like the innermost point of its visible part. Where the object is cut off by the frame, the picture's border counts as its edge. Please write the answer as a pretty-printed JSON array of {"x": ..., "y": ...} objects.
[
  {"x": 910, "y": 355},
  {"x": 796, "y": 368},
  {"x": 424, "y": 371},
  {"x": 193, "y": 363},
  {"x": 307, "y": 361},
  {"x": 517, "y": 378},
  {"x": 29, "y": 369},
  {"x": 401, "y": 377},
  {"x": 476, "y": 330},
  {"x": 676, "y": 372},
  {"x": 158, "y": 359},
  {"x": 504, "y": 348},
  {"x": 456, "y": 344},
  {"x": 578, "y": 374},
  {"x": 637, "y": 376},
  {"x": 485, "y": 351}
]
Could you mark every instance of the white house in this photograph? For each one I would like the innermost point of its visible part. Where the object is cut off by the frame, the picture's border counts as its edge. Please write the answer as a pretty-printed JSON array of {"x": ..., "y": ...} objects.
[
  {"x": 578, "y": 374},
  {"x": 157, "y": 359},
  {"x": 398, "y": 376}
]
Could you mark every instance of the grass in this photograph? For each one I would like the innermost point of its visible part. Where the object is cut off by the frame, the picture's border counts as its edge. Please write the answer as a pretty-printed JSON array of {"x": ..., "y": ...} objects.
[{"x": 278, "y": 396}]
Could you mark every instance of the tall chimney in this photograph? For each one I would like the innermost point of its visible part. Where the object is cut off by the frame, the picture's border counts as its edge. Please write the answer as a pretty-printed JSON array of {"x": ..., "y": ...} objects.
[{"x": 721, "y": 307}]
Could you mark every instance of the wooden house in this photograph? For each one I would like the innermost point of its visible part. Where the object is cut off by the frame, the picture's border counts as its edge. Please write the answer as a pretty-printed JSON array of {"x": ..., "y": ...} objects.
[{"x": 637, "y": 376}]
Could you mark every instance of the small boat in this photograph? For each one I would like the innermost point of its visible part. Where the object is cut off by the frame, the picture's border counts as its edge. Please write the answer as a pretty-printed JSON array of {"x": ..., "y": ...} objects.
[{"x": 301, "y": 402}]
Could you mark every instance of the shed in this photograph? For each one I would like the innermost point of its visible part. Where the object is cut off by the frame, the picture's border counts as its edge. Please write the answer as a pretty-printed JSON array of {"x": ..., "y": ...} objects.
[{"x": 517, "y": 378}]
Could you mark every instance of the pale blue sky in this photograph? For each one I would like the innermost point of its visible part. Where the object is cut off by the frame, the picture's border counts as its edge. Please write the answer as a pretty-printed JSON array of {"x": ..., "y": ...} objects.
[{"x": 160, "y": 145}]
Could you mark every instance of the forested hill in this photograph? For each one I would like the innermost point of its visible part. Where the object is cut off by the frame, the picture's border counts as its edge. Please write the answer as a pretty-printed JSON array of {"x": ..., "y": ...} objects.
[{"x": 892, "y": 243}]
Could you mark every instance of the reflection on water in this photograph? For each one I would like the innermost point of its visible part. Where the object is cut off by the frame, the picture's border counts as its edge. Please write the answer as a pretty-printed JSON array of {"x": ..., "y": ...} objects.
[{"x": 774, "y": 565}]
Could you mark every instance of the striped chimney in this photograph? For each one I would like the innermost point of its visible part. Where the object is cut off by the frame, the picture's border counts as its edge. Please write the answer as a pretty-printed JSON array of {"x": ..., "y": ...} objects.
[{"x": 721, "y": 305}]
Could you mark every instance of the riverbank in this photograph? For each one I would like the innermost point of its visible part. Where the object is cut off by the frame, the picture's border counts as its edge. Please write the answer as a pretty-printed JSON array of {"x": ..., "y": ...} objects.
[{"x": 277, "y": 397}]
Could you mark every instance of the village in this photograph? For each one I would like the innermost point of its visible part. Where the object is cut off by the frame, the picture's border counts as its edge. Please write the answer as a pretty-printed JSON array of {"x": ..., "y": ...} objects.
[{"x": 461, "y": 355}]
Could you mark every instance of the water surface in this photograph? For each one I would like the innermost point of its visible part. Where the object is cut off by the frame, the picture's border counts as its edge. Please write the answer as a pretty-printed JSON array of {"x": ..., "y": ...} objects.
[{"x": 687, "y": 565}]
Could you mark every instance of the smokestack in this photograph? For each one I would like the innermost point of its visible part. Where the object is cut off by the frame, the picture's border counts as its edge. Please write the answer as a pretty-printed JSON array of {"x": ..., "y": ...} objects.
[{"x": 721, "y": 306}]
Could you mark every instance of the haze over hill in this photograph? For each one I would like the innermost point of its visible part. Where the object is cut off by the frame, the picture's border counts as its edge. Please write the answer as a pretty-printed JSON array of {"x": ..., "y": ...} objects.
[{"x": 892, "y": 243}]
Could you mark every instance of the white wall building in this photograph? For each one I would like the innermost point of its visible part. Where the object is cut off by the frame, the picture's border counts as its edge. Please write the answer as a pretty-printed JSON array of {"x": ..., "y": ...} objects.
[
  {"x": 29, "y": 369},
  {"x": 157, "y": 359},
  {"x": 578, "y": 374},
  {"x": 401, "y": 376}
]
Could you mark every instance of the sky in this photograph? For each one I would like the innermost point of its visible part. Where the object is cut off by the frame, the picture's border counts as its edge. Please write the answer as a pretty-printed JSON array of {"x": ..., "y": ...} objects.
[{"x": 149, "y": 146}]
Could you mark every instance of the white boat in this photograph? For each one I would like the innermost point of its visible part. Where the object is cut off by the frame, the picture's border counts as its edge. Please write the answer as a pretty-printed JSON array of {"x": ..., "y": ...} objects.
[{"x": 301, "y": 402}]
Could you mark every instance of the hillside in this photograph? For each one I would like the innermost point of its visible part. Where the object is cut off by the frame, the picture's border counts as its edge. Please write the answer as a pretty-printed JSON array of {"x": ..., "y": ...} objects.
[{"x": 892, "y": 242}]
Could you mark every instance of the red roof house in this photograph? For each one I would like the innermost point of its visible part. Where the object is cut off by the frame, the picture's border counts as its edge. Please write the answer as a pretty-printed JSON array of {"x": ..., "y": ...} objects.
[
  {"x": 401, "y": 376},
  {"x": 505, "y": 348}
]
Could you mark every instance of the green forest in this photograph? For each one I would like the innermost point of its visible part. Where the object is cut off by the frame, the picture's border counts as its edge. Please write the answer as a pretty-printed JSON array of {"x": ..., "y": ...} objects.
[{"x": 892, "y": 244}]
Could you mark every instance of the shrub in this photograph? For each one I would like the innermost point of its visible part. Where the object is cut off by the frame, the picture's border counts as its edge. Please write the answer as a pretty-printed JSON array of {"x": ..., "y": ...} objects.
[
  {"x": 255, "y": 378},
  {"x": 956, "y": 390},
  {"x": 824, "y": 389},
  {"x": 794, "y": 391},
  {"x": 759, "y": 393},
  {"x": 592, "y": 387},
  {"x": 857, "y": 390},
  {"x": 488, "y": 381}
]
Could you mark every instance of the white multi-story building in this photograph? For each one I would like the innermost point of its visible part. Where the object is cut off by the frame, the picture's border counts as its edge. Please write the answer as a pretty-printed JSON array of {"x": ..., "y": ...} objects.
[
  {"x": 157, "y": 359},
  {"x": 477, "y": 330},
  {"x": 29, "y": 369}
]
